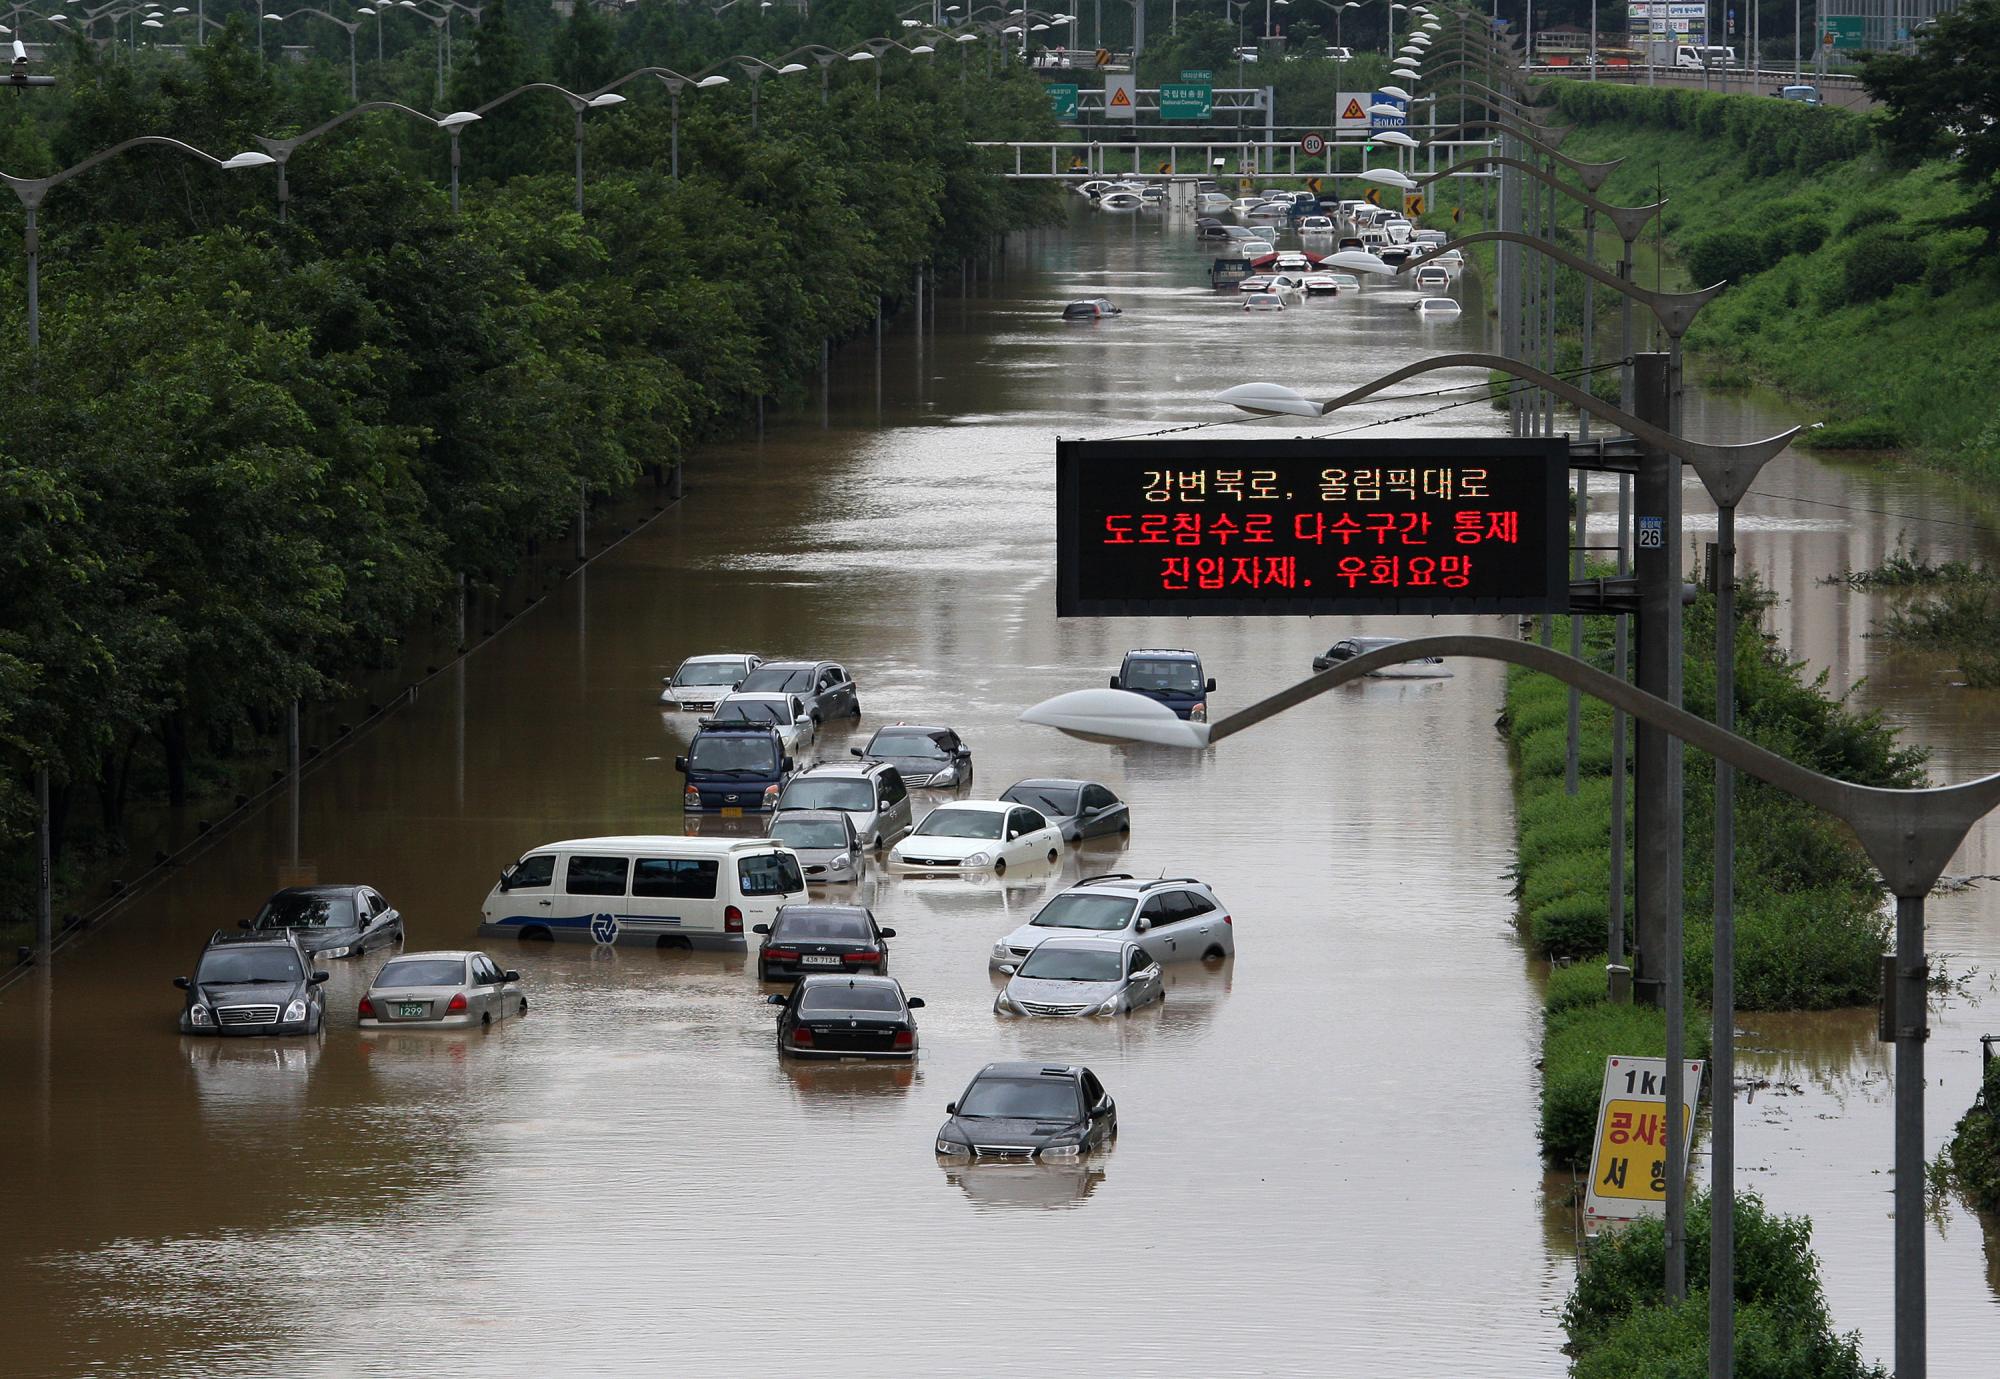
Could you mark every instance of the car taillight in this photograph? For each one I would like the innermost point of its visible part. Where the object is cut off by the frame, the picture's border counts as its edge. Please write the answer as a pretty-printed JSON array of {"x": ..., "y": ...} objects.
[
  {"x": 906, "y": 1039},
  {"x": 732, "y": 920},
  {"x": 863, "y": 955},
  {"x": 802, "y": 1035},
  {"x": 1230, "y": 922},
  {"x": 692, "y": 799},
  {"x": 781, "y": 955},
  {"x": 367, "y": 1010},
  {"x": 457, "y": 1004},
  {"x": 770, "y": 797}
]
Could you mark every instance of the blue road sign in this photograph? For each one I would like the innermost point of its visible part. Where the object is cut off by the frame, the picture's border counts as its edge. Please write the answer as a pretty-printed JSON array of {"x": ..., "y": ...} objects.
[
  {"x": 1652, "y": 533},
  {"x": 1378, "y": 121}
]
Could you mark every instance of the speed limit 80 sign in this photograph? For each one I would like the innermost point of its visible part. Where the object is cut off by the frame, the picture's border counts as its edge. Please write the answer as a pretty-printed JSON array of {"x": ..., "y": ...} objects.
[{"x": 1312, "y": 145}]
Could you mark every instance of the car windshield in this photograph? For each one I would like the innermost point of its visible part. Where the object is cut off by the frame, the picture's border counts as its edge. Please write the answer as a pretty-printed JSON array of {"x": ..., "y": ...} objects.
[
  {"x": 733, "y": 753},
  {"x": 1059, "y": 964},
  {"x": 959, "y": 823},
  {"x": 828, "y": 792},
  {"x": 754, "y": 711},
  {"x": 766, "y": 680},
  {"x": 819, "y": 1000},
  {"x": 422, "y": 972},
  {"x": 810, "y": 833},
  {"x": 1051, "y": 800},
  {"x": 709, "y": 673},
  {"x": 306, "y": 912},
  {"x": 1025, "y": 1098},
  {"x": 1080, "y": 910},
  {"x": 893, "y": 744},
  {"x": 225, "y": 967},
  {"x": 1180, "y": 677},
  {"x": 820, "y": 924}
]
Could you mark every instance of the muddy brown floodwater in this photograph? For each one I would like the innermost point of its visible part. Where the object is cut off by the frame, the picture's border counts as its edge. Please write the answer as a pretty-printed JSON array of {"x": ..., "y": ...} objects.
[{"x": 1327, "y": 1160}]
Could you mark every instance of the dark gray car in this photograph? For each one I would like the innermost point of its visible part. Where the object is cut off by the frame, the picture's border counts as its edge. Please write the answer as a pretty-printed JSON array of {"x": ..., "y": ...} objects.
[
  {"x": 924, "y": 755},
  {"x": 825, "y": 686},
  {"x": 252, "y": 984},
  {"x": 331, "y": 921},
  {"x": 1080, "y": 808},
  {"x": 1029, "y": 1110}
]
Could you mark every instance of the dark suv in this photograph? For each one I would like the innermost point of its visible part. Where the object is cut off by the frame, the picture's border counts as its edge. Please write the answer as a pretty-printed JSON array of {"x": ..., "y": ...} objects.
[
  {"x": 734, "y": 768},
  {"x": 1172, "y": 678},
  {"x": 1029, "y": 1110},
  {"x": 258, "y": 983}
]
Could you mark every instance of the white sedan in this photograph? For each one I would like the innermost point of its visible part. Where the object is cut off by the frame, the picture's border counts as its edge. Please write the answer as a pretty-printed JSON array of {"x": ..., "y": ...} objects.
[
  {"x": 785, "y": 712},
  {"x": 977, "y": 835}
]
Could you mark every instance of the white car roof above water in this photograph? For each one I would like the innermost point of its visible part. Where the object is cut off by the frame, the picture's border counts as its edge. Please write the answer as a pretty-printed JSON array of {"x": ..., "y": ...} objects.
[
  {"x": 659, "y": 842},
  {"x": 980, "y": 806}
]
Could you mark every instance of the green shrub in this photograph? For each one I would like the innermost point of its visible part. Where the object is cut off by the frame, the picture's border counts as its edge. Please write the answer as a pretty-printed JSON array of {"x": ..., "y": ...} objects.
[
  {"x": 1974, "y": 1155},
  {"x": 1581, "y": 983},
  {"x": 1574, "y": 924},
  {"x": 1575, "y": 1043},
  {"x": 1727, "y": 255},
  {"x": 1672, "y": 1343},
  {"x": 1879, "y": 260}
]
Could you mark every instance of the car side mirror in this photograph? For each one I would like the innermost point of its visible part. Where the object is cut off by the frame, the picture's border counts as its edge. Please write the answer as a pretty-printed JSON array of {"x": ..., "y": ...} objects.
[
  {"x": 854, "y": 751},
  {"x": 1114, "y": 682},
  {"x": 182, "y": 983},
  {"x": 888, "y": 933},
  {"x": 681, "y": 765},
  {"x": 951, "y": 1108},
  {"x": 760, "y": 928},
  {"x": 319, "y": 977},
  {"x": 510, "y": 975},
  {"x": 1142, "y": 926},
  {"x": 1209, "y": 688},
  {"x": 788, "y": 764},
  {"x": 1012, "y": 834},
  {"x": 1103, "y": 1106},
  {"x": 915, "y": 1003},
  {"x": 1007, "y": 968},
  {"x": 774, "y": 1000},
  {"x": 243, "y": 924}
]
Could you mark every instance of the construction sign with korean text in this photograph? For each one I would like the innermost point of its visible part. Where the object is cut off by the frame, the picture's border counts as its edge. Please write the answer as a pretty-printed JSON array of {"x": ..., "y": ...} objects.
[
  {"x": 1121, "y": 97},
  {"x": 1628, "y": 1158}
]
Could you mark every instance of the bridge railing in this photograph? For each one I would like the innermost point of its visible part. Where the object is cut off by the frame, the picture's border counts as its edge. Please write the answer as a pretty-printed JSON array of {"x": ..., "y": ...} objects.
[{"x": 1076, "y": 160}]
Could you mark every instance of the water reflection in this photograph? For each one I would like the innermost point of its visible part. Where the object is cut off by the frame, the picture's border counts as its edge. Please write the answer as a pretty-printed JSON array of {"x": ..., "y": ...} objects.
[{"x": 1002, "y": 1186}]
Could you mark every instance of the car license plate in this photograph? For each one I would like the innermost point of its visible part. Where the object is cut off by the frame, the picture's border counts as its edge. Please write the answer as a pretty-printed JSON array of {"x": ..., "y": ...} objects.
[
  {"x": 819, "y": 960},
  {"x": 413, "y": 1010},
  {"x": 732, "y": 811}
]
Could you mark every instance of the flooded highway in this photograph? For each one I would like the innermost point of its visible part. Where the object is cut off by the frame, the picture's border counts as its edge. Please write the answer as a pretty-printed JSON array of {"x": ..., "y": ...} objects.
[{"x": 1327, "y": 1160}]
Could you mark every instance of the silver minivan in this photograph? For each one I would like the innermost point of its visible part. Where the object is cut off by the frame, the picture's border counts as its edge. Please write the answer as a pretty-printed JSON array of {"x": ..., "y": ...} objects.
[
  {"x": 1170, "y": 917},
  {"x": 870, "y": 793}
]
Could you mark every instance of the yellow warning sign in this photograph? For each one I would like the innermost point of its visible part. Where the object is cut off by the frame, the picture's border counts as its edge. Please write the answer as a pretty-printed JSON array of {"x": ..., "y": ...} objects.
[
  {"x": 1413, "y": 204},
  {"x": 1103, "y": 57},
  {"x": 1354, "y": 111},
  {"x": 1312, "y": 185},
  {"x": 1244, "y": 184},
  {"x": 1457, "y": 214},
  {"x": 1373, "y": 196},
  {"x": 1167, "y": 166},
  {"x": 1076, "y": 163},
  {"x": 1120, "y": 98}
]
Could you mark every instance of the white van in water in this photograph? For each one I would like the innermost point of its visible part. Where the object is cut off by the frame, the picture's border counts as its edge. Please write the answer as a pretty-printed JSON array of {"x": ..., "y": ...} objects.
[{"x": 665, "y": 891}]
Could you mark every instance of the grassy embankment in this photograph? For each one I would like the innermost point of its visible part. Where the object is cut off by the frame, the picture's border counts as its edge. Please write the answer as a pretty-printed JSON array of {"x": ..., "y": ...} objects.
[
  {"x": 1810, "y": 928},
  {"x": 1846, "y": 290}
]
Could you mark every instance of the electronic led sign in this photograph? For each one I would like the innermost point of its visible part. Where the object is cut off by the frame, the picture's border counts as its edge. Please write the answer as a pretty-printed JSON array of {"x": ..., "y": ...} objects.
[{"x": 1286, "y": 527}]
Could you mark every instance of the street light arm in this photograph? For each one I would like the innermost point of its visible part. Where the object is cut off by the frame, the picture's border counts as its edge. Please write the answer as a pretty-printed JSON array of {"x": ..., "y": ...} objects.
[
  {"x": 281, "y": 149},
  {"x": 1910, "y": 835},
  {"x": 1582, "y": 198},
  {"x": 351, "y": 25},
  {"x": 576, "y": 102},
  {"x": 31, "y": 190},
  {"x": 1674, "y": 310}
]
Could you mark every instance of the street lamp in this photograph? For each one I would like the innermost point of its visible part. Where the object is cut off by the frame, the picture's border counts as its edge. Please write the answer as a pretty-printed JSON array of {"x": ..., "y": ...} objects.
[
  {"x": 451, "y": 124},
  {"x": 32, "y": 191},
  {"x": 577, "y": 104}
]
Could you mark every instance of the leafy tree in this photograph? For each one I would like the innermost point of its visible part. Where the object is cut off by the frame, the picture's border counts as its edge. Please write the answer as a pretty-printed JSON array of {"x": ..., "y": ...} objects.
[{"x": 1944, "y": 99}]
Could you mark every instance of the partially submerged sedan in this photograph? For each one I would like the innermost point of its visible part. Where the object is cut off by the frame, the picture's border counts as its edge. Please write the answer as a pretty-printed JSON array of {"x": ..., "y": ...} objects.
[
  {"x": 805, "y": 939},
  {"x": 924, "y": 755},
  {"x": 1347, "y": 648},
  {"x": 330, "y": 921},
  {"x": 701, "y": 681},
  {"x": 829, "y": 1016},
  {"x": 828, "y": 848},
  {"x": 977, "y": 835},
  {"x": 785, "y": 712},
  {"x": 442, "y": 990},
  {"x": 1080, "y": 808},
  {"x": 1029, "y": 1110},
  {"x": 1081, "y": 976}
]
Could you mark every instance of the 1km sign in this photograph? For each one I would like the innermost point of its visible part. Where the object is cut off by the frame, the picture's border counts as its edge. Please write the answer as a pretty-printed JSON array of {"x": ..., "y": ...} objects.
[{"x": 1628, "y": 1160}]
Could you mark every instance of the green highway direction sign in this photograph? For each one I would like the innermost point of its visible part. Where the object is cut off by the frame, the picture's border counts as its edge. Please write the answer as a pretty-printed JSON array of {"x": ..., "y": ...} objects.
[
  {"x": 1062, "y": 102},
  {"x": 1846, "y": 30},
  {"x": 1186, "y": 100},
  {"x": 1197, "y": 74}
]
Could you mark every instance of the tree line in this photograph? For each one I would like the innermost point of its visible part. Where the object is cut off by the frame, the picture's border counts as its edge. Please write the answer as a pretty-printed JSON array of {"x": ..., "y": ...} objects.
[{"x": 249, "y": 457}]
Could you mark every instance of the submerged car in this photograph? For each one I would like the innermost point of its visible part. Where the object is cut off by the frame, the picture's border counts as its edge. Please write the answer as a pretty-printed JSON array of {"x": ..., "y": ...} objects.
[
  {"x": 1081, "y": 976},
  {"x": 926, "y": 756},
  {"x": 260, "y": 983},
  {"x": 1171, "y": 917},
  {"x": 829, "y": 1016},
  {"x": 977, "y": 835},
  {"x": 785, "y": 712},
  {"x": 1084, "y": 311},
  {"x": 1029, "y": 1110},
  {"x": 1167, "y": 676},
  {"x": 701, "y": 681},
  {"x": 1080, "y": 808},
  {"x": 1346, "y": 649},
  {"x": 734, "y": 768},
  {"x": 828, "y": 848},
  {"x": 804, "y": 939},
  {"x": 330, "y": 921},
  {"x": 871, "y": 794},
  {"x": 826, "y": 688},
  {"x": 442, "y": 990}
]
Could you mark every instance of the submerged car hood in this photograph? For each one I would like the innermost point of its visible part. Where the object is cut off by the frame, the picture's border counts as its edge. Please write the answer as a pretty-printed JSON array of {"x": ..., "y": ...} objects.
[
  {"x": 1046, "y": 992},
  {"x": 1028, "y": 935},
  {"x": 915, "y": 766},
  {"x": 954, "y": 848},
  {"x": 996, "y": 1130},
  {"x": 248, "y": 993}
]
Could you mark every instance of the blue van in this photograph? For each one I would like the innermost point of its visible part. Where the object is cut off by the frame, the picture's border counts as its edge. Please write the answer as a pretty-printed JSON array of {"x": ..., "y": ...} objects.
[
  {"x": 1167, "y": 677},
  {"x": 734, "y": 768}
]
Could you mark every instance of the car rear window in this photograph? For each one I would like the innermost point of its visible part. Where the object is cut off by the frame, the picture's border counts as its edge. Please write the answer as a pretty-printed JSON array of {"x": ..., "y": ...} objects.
[
  {"x": 770, "y": 873},
  {"x": 821, "y": 999},
  {"x": 821, "y": 924},
  {"x": 422, "y": 972}
]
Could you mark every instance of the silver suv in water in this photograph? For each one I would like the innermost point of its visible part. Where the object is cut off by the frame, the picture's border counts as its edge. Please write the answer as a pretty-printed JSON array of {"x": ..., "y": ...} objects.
[
  {"x": 1171, "y": 917},
  {"x": 871, "y": 793}
]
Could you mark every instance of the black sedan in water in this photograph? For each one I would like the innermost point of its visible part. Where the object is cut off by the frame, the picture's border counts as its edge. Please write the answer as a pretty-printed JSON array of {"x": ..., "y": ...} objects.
[
  {"x": 1029, "y": 1110},
  {"x": 805, "y": 939},
  {"x": 331, "y": 921},
  {"x": 1080, "y": 808},
  {"x": 847, "y": 1017}
]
